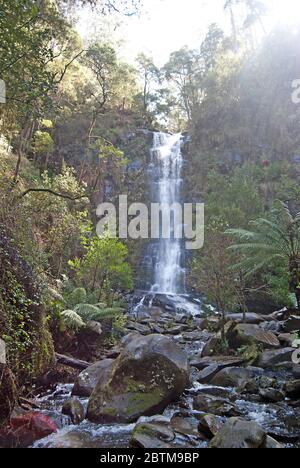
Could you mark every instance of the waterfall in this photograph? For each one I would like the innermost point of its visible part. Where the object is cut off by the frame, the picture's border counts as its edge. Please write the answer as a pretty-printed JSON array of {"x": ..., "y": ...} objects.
[
  {"x": 166, "y": 158},
  {"x": 162, "y": 269}
]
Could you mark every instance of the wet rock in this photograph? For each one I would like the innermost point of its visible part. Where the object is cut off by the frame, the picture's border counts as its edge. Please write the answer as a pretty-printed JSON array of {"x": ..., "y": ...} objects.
[
  {"x": 296, "y": 372},
  {"x": 232, "y": 377},
  {"x": 224, "y": 393},
  {"x": 293, "y": 389},
  {"x": 24, "y": 430},
  {"x": 221, "y": 361},
  {"x": 271, "y": 395},
  {"x": 214, "y": 405},
  {"x": 292, "y": 325},
  {"x": 177, "y": 330},
  {"x": 210, "y": 425},
  {"x": 185, "y": 426},
  {"x": 286, "y": 339},
  {"x": 150, "y": 373},
  {"x": 135, "y": 326},
  {"x": 240, "y": 434},
  {"x": 212, "y": 347},
  {"x": 271, "y": 443},
  {"x": 151, "y": 435},
  {"x": 74, "y": 409},
  {"x": 253, "y": 319},
  {"x": 269, "y": 359},
  {"x": 207, "y": 374},
  {"x": 2, "y": 352},
  {"x": 8, "y": 392},
  {"x": 247, "y": 335},
  {"x": 89, "y": 378}
]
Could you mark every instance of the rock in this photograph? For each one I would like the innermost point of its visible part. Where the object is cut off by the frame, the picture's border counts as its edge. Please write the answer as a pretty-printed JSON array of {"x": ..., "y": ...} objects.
[
  {"x": 292, "y": 325},
  {"x": 177, "y": 330},
  {"x": 2, "y": 352},
  {"x": 207, "y": 374},
  {"x": 269, "y": 359},
  {"x": 286, "y": 339},
  {"x": 89, "y": 378},
  {"x": 221, "y": 361},
  {"x": 296, "y": 372},
  {"x": 149, "y": 435},
  {"x": 185, "y": 426},
  {"x": 271, "y": 395},
  {"x": 293, "y": 389},
  {"x": 142, "y": 329},
  {"x": 212, "y": 347},
  {"x": 150, "y": 373},
  {"x": 210, "y": 425},
  {"x": 214, "y": 405},
  {"x": 247, "y": 335},
  {"x": 225, "y": 393},
  {"x": 253, "y": 319},
  {"x": 24, "y": 430},
  {"x": 240, "y": 434},
  {"x": 74, "y": 409},
  {"x": 232, "y": 377},
  {"x": 271, "y": 443},
  {"x": 8, "y": 392}
]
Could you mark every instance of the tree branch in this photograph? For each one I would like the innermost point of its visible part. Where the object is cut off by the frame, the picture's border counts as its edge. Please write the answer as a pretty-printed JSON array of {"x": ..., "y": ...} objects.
[{"x": 51, "y": 192}]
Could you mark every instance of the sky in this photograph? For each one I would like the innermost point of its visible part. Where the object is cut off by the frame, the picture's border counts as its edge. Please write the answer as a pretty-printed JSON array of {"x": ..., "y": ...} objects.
[{"x": 167, "y": 25}]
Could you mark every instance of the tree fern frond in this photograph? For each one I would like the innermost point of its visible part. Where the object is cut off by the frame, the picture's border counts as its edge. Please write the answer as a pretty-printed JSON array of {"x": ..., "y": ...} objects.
[
  {"x": 77, "y": 296},
  {"x": 72, "y": 320}
]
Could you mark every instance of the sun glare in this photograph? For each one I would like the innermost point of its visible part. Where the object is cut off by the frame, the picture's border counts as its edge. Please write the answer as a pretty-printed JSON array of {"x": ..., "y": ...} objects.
[{"x": 285, "y": 11}]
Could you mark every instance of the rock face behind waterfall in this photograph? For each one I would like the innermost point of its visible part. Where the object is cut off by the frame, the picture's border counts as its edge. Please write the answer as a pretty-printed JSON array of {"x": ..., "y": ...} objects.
[{"x": 150, "y": 373}]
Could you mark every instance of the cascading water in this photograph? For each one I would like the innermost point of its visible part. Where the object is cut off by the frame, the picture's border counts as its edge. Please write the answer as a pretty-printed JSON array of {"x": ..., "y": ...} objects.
[{"x": 166, "y": 157}]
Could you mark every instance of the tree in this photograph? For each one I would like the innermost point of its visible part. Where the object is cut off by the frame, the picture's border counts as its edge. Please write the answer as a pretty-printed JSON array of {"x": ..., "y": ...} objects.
[
  {"x": 274, "y": 242},
  {"x": 212, "y": 274},
  {"x": 103, "y": 266}
]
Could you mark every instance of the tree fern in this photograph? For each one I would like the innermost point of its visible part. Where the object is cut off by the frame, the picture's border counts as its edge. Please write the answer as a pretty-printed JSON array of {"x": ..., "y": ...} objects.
[
  {"x": 273, "y": 242},
  {"x": 77, "y": 296},
  {"x": 72, "y": 320}
]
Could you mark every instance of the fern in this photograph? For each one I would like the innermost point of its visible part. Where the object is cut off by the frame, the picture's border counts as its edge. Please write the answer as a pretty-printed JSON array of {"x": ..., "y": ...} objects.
[
  {"x": 72, "y": 320},
  {"x": 77, "y": 296}
]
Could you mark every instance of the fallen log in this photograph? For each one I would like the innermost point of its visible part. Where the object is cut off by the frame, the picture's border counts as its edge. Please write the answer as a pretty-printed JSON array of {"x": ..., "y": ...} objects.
[{"x": 71, "y": 362}]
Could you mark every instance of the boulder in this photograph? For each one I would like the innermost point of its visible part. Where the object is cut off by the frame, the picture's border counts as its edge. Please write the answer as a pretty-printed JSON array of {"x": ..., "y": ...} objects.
[
  {"x": 210, "y": 425},
  {"x": 2, "y": 352},
  {"x": 296, "y": 372},
  {"x": 246, "y": 335},
  {"x": 232, "y": 377},
  {"x": 212, "y": 347},
  {"x": 214, "y": 405},
  {"x": 293, "y": 389},
  {"x": 272, "y": 444},
  {"x": 152, "y": 435},
  {"x": 89, "y": 378},
  {"x": 271, "y": 395},
  {"x": 74, "y": 409},
  {"x": 292, "y": 324},
  {"x": 239, "y": 434},
  {"x": 24, "y": 430},
  {"x": 207, "y": 374},
  {"x": 185, "y": 426},
  {"x": 8, "y": 392},
  {"x": 253, "y": 319},
  {"x": 150, "y": 373},
  {"x": 269, "y": 359},
  {"x": 221, "y": 361}
]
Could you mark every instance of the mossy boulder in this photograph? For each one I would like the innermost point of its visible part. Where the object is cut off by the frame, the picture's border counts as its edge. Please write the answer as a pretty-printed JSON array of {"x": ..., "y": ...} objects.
[
  {"x": 150, "y": 373},
  {"x": 88, "y": 379},
  {"x": 240, "y": 434},
  {"x": 245, "y": 334}
]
